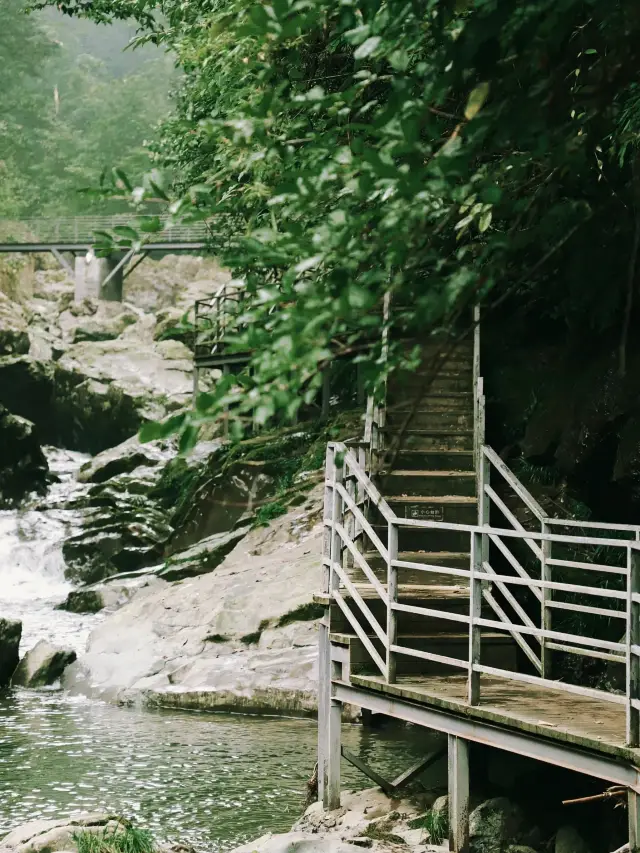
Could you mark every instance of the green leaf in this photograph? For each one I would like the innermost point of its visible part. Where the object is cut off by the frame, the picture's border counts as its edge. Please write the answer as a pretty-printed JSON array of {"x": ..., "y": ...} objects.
[
  {"x": 126, "y": 231},
  {"x": 485, "y": 221},
  {"x": 476, "y": 100},
  {"x": 188, "y": 439},
  {"x": 161, "y": 429},
  {"x": 367, "y": 47},
  {"x": 121, "y": 178}
]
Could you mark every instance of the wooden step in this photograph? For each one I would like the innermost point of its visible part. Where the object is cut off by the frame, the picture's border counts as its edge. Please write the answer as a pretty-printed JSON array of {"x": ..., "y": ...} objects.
[
  {"x": 444, "y": 381},
  {"x": 449, "y": 559},
  {"x": 449, "y": 508},
  {"x": 429, "y": 419},
  {"x": 496, "y": 649},
  {"x": 432, "y": 439},
  {"x": 405, "y": 483},
  {"x": 461, "y": 401},
  {"x": 440, "y": 596},
  {"x": 432, "y": 460}
]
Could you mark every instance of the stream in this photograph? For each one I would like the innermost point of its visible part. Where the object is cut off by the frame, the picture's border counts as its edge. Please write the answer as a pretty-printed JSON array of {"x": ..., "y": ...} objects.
[{"x": 211, "y": 780}]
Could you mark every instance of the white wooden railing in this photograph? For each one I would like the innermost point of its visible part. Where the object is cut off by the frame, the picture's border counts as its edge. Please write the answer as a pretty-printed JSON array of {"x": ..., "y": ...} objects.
[{"x": 348, "y": 489}]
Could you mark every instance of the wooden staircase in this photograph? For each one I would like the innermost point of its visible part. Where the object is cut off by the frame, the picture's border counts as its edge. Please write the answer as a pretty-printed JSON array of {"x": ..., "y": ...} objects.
[{"x": 427, "y": 472}]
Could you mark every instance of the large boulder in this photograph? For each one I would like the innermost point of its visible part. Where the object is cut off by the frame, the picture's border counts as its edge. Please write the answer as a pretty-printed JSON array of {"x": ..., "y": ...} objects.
[
  {"x": 10, "y": 635},
  {"x": 97, "y": 394},
  {"x": 204, "y": 556},
  {"x": 125, "y": 458},
  {"x": 495, "y": 824},
  {"x": 569, "y": 840},
  {"x": 42, "y": 666},
  {"x": 93, "y": 320},
  {"x": 23, "y": 465},
  {"x": 123, "y": 528},
  {"x": 49, "y": 836},
  {"x": 14, "y": 335},
  {"x": 242, "y": 637}
]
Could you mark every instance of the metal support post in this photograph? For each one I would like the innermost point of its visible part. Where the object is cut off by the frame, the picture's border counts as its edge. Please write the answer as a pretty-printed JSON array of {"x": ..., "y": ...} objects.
[
  {"x": 458, "y": 794},
  {"x": 324, "y": 699},
  {"x": 545, "y": 604},
  {"x": 633, "y": 804},
  {"x": 196, "y": 386},
  {"x": 475, "y": 613},
  {"x": 633, "y": 641},
  {"x": 392, "y": 596}
]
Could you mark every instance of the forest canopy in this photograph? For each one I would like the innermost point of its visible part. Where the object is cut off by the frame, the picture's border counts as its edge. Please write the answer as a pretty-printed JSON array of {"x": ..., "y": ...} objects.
[
  {"x": 443, "y": 151},
  {"x": 71, "y": 104}
]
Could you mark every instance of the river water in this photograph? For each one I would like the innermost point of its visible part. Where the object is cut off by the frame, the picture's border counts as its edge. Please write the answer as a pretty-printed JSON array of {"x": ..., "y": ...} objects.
[{"x": 213, "y": 780}]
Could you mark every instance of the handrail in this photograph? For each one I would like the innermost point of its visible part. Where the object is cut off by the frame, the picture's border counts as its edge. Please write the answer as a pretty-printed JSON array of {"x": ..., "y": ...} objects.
[
  {"x": 343, "y": 516},
  {"x": 526, "y": 497}
]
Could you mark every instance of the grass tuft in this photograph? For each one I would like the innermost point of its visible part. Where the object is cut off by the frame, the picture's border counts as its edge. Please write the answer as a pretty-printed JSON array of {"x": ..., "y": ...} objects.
[
  {"x": 216, "y": 638},
  {"x": 251, "y": 639},
  {"x": 304, "y": 613},
  {"x": 435, "y": 823},
  {"x": 122, "y": 838}
]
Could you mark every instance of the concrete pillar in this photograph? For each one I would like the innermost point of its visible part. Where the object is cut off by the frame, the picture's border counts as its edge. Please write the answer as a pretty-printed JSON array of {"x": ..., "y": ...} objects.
[{"x": 91, "y": 273}]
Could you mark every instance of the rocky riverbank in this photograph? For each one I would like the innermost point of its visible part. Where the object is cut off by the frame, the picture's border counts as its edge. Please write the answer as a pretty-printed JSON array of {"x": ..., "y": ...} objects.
[
  {"x": 240, "y": 637},
  {"x": 202, "y": 568},
  {"x": 367, "y": 820}
]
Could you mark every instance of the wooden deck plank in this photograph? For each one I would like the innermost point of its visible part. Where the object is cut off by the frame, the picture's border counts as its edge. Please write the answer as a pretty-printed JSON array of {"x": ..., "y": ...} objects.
[{"x": 553, "y": 714}]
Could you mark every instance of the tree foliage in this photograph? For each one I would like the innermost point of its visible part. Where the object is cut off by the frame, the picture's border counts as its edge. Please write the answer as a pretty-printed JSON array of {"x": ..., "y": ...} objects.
[
  {"x": 64, "y": 115},
  {"x": 445, "y": 151}
]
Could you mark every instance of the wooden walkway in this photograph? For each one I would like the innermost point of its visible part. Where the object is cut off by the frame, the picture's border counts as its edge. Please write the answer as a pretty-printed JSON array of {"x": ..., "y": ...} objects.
[{"x": 547, "y": 713}]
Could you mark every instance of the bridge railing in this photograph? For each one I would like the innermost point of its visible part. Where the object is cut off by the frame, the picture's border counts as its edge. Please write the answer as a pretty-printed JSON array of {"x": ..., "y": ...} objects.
[
  {"x": 77, "y": 229},
  {"x": 216, "y": 318}
]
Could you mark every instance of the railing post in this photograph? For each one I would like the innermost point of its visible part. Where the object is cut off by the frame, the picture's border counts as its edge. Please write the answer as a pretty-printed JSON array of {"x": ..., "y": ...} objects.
[
  {"x": 328, "y": 520},
  {"x": 475, "y": 613},
  {"x": 392, "y": 596},
  {"x": 633, "y": 640},
  {"x": 545, "y": 608},
  {"x": 337, "y": 516},
  {"x": 350, "y": 519}
]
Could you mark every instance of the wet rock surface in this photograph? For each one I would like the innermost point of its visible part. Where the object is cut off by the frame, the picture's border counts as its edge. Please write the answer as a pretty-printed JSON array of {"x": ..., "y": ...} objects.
[
  {"x": 50, "y": 836},
  {"x": 242, "y": 636},
  {"x": 14, "y": 333},
  {"x": 10, "y": 634},
  {"x": 23, "y": 465},
  {"x": 42, "y": 666}
]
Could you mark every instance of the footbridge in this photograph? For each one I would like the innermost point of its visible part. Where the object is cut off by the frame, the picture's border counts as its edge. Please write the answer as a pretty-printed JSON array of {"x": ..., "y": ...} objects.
[{"x": 71, "y": 240}]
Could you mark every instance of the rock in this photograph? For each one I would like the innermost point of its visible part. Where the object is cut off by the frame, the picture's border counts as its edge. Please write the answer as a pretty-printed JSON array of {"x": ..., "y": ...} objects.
[
  {"x": 109, "y": 596},
  {"x": 125, "y": 458},
  {"x": 123, "y": 528},
  {"x": 494, "y": 824},
  {"x": 14, "y": 335},
  {"x": 10, "y": 635},
  {"x": 297, "y": 842},
  {"x": 202, "y": 557},
  {"x": 242, "y": 637},
  {"x": 175, "y": 325},
  {"x": 23, "y": 465},
  {"x": 50, "y": 836},
  {"x": 175, "y": 280},
  {"x": 42, "y": 666},
  {"x": 569, "y": 840},
  {"x": 27, "y": 390},
  {"x": 93, "y": 320},
  {"x": 519, "y": 848}
]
